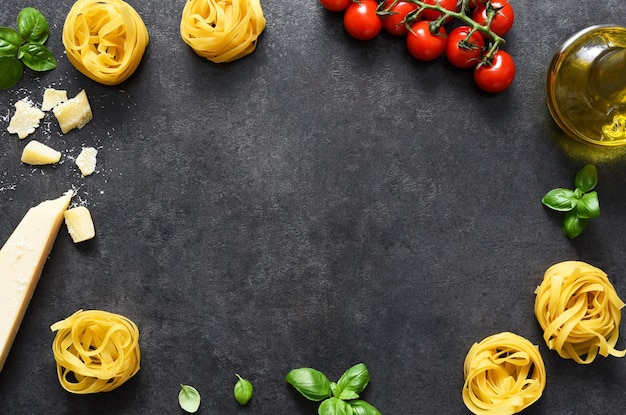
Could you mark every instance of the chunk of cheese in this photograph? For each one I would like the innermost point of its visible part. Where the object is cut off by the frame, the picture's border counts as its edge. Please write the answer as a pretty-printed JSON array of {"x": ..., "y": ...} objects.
[
  {"x": 25, "y": 120},
  {"x": 79, "y": 224},
  {"x": 21, "y": 261},
  {"x": 37, "y": 154},
  {"x": 86, "y": 160},
  {"x": 52, "y": 97},
  {"x": 73, "y": 113}
]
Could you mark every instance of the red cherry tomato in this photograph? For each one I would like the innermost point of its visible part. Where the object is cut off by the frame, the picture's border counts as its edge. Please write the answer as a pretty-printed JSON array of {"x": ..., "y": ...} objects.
[
  {"x": 429, "y": 14},
  {"x": 503, "y": 20},
  {"x": 361, "y": 20},
  {"x": 394, "y": 23},
  {"x": 497, "y": 76},
  {"x": 476, "y": 3},
  {"x": 464, "y": 53},
  {"x": 423, "y": 44},
  {"x": 335, "y": 5}
]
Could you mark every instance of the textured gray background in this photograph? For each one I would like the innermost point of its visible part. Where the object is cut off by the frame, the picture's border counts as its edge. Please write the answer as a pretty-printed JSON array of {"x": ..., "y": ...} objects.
[{"x": 319, "y": 203}]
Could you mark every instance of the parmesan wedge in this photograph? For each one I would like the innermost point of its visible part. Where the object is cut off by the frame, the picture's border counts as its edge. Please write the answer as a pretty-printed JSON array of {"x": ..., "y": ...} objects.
[
  {"x": 25, "y": 120},
  {"x": 79, "y": 224},
  {"x": 86, "y": 160},
  {"x": 37, "y": 154},
  {"x": 73, "y": 113},
  {"x": 52, "y": 97}
]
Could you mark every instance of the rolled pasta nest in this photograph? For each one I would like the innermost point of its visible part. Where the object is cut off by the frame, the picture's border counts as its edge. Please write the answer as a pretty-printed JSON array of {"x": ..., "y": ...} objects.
[
  {"x": 504, "y": 374},
  {"x": 579, "y": 311},
  {"x": 95, "y": 351},
  {"x": 105, "y": 39},
  {"x": 222, "y": 30}
]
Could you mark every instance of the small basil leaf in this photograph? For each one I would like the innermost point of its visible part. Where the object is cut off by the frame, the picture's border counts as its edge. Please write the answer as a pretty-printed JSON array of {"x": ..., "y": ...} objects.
[
  {"x": 335, "y": 406},
  {"x": 11, "y": 71},
  {"x": 360, "y": 407},
  {"x": 243, "y": 390},
  {"x": 189, "y": 398},
  {"x": 573, "y": 225},
  {"x": 560, "y": 199},
  {"x": 32, "y": 26},
  {"x": 353, "y": 382},
  {"x": 9, "y": 42},
  {"x": 587, "y": 178},
  {"x": 588, "y": 206},
  {"x": 311, "y": 383},
  {"x": 37, "y": 57},
  {"x": 334, "y": 389}
]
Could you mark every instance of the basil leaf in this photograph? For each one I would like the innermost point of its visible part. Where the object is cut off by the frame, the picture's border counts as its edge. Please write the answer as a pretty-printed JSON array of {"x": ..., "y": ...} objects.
[
  {"x": 311, "y": 383},
  {"x": 360, "y": 407},
  {"x": 9, "y": 42},
  {"x": 353, "y": 382},
  {"x": 37, "y": 57},
  {"x": 587, "y": 178},
  {"x": 243, "y": 390},
  {"x": 573, "y": 225},
  {"x": 189, "y": 398},
  {"x": 588, "y": 206},
  {"x": 32, "y": 26},
  {"x": 335, "y": 406},
  {"x": 11, "y": 71},
  {"x": 560, "y": 199}
]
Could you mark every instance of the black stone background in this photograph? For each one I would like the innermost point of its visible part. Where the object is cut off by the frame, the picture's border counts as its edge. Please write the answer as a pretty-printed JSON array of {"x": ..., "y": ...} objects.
[{"x": 321, "y": 202}]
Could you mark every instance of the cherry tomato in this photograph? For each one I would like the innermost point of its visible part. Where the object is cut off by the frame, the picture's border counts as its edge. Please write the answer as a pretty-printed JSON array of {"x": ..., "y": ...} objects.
[
  {"x": 335, "y": 5},
  {"x": 462, "y": 53},
  {"x": 361, "y": 20},
  {"x": 503, "y": 20},
  {"x": 476, "y": 3},
  {"x": 394, "y": 23},
  {"x": 423, "y": 44},
  {"x": 429, "y": 14},
  {"x": 497, "y": 76}
]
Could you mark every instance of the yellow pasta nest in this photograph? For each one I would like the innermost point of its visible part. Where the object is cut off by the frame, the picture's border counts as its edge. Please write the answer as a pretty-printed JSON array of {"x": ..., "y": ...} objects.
[
  {"x": 579, "y": 311},
  {"x": 222, "y": 30},
  {"x": 95, "y": 351},
  {"x": 104, "y": 39},
  {"x": 504, "y": 374}
]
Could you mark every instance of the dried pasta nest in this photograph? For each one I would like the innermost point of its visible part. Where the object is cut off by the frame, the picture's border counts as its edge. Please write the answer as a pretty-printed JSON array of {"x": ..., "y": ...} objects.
[
  {"x": 579, "y": 311},
  {"x": 104, "y": 39},
  {"x": 504, "y": 374},
  {"x": 95, "y": 351}
]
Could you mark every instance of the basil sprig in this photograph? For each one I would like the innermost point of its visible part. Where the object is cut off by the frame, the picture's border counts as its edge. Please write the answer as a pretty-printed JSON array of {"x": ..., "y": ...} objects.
[
  {"x": 243, "y": 390},
  {"x": 340, "y": 398},
  {"x": 24, "y": 46},
  {"x": 579, "y": 205}
]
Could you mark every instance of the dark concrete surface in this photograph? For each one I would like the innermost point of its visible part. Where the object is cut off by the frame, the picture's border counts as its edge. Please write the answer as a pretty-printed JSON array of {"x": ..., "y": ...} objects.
[{"x": 321, "y": 202}]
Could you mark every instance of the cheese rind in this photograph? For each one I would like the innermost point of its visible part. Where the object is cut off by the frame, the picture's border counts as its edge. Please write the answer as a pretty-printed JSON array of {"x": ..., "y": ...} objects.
[
  {"x": 86, "y": 160},
  {"x": 79, "y": 224},
  {"x": 52, "y": 97},
  {"x": 22, "y": 259},
  {"x": 73, "y": 113},
  {"x": 25, "y": 120},
  {"x": 37, "y": 154}
]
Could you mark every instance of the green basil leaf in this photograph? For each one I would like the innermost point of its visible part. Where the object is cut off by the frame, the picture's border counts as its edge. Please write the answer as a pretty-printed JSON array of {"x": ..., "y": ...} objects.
[
  {"x": 360, "y": 407},
  {"x": 9, "y": 42},
  {"x": 11, "y": 71},
  {"x": 588, "y": 206},
  {"x": 243, "y": 390},
  {"x": 560, "y": 199},
  {"x": 335, "y": 406},
  {"x": 311, "y": 383},
  {"x": 37, "y": 57},
  {"x": 587, "y": 178},
  {"x": 189, "y": 398},
  {"x": 32, "y": 26},
  {"x": 353, "y": 382},
  {"x": 573, "y": 225}
]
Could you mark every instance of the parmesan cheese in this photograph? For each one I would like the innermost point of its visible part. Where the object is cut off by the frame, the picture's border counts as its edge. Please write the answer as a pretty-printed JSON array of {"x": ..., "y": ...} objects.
[
  {"x": 25, "y": 120},
  {"x": 36, "y": 153},
  {"x": 52, "y": 97},
  {"x": 79, "y": 224},
  {"x": 73, "y": 113},
  {"x": 86, "y": 160}
]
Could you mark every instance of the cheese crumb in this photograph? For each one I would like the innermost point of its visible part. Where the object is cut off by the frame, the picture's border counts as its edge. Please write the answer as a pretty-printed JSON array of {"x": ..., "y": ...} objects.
[
  {"x": 37, "y": 154},
  {"x": 52, "y": 97},
  {"x": 73, "y": 113},
  {"x": 79, "y": 224},
  {"x": 86, "y": 160},
  {"x": 25, "y": 120}
]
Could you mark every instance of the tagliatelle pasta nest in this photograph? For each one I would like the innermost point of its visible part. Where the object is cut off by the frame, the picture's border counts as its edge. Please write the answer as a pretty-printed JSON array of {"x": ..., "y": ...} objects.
[
  {"x": 222, "y": 30},
  {"x": 579, "y": 311},
  {"x": 504, "y": 374},
  {"x": 105, "y": 39},
  {"x": 95, "y": 351}
]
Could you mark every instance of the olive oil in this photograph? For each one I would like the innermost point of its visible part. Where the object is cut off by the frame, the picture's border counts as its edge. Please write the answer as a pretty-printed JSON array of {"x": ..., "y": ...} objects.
[{"x": 586, "y": 86}]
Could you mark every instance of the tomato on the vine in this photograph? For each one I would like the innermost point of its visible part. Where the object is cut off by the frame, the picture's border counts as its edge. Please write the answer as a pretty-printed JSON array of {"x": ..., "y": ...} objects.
[
  {"x": 430, "y": 14},
  {"x": 335, "y": 5},
  {"x": 361, "y": 20},
  {"x": 497, "y": 75},
  {"x": 423, "y": 44},
  {"x": 502, "y": 21},
  {"x": 394, "y": 23},
  {"x": 463, "y": 52}
]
